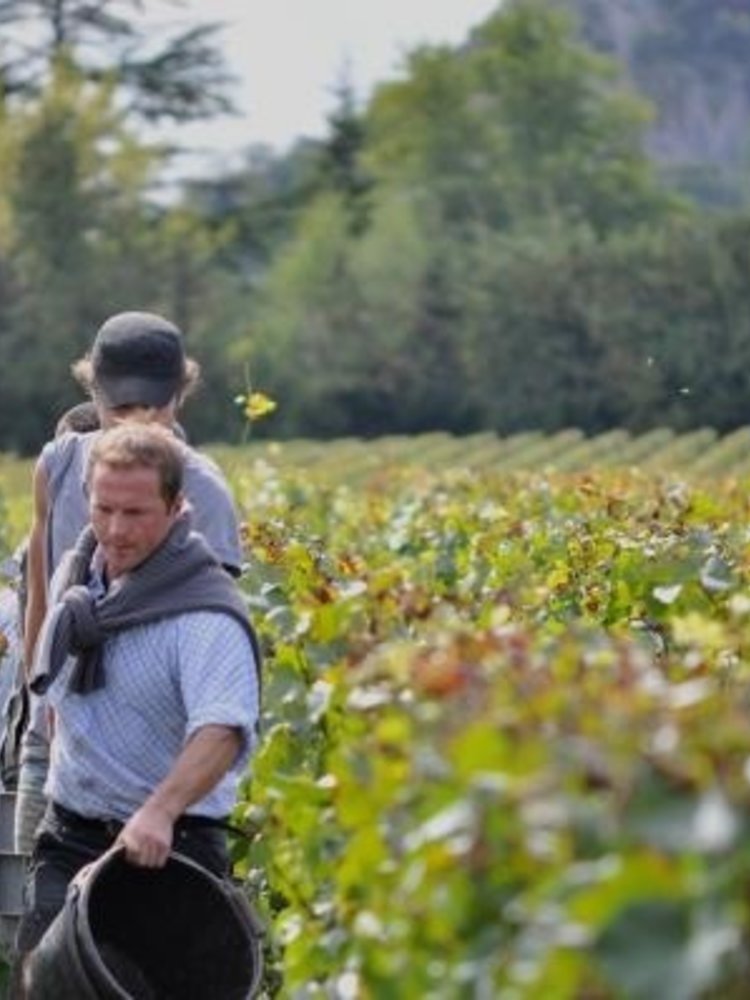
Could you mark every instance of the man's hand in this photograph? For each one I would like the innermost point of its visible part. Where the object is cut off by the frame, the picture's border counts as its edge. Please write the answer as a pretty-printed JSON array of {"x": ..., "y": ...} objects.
[{"x": 147, "y": 836}]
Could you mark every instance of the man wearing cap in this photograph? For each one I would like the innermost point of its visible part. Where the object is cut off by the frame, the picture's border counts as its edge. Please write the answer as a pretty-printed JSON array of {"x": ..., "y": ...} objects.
[{"x": 137, "y": 370}]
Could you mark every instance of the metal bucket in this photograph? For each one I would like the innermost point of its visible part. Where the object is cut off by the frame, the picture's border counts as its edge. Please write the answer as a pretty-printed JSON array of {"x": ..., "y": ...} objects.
[{"x": 128, "y": 933}]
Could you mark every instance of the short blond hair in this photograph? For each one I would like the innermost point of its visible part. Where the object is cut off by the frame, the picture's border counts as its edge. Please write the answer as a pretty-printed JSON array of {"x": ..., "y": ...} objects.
[{"x": 141, "y": 446}]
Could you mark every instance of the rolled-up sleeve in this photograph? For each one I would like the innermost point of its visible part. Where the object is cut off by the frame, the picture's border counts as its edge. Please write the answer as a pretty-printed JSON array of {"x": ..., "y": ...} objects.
[{"x": 218, "y": 677}]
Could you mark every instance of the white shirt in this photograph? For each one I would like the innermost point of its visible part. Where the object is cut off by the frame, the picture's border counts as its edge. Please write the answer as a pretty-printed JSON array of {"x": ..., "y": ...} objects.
[{"x": 162, "y": 682}]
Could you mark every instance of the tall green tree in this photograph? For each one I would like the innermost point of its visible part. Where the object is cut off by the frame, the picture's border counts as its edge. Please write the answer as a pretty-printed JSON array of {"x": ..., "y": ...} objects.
[
  {"x": 161, "y": 73},
  {"x": 79, "y": 239},
  {"x": 427, "y": 139},
  {"x": 569, "y": 134},
  {"x": 525, "y": 125},
  {"x": 72, "y": 172},
  {"x": 304, "y": 343},
  {"x": 513, "y": 139},
  {"x": 261, "y": 201},
  {"x": 341, "y": 157}
]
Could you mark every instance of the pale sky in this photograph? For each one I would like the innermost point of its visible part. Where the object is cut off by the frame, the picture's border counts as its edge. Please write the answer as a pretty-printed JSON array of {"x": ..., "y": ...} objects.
[{"x": 289, "y": 54}]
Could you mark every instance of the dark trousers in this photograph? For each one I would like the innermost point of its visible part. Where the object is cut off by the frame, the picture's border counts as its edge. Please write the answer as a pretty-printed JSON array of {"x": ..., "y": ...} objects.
[{"x": 66, "y": 842}]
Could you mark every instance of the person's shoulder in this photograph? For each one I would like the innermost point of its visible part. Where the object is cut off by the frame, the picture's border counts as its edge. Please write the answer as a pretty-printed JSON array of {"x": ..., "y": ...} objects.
[
  {"x": 197, "y": 629},
  {"x": 200, "y": 460},
  {"x": 61, "y": 450},
  {"x": 65, "y": 451},
  {"x": 70, "y": 442},
  {"x": 203, "y": 473},
  {"x": 58, "y": 451},
  {"x": 213, "y": 508}
]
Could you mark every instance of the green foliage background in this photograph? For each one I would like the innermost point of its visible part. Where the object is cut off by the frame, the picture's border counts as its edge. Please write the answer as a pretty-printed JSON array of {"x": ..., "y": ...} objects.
[{"x": 515, "y": 234}]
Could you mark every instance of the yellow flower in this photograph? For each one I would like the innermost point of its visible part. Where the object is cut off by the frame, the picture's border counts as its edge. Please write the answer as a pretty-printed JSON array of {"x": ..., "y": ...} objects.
[{"x": 257, "y": 405}]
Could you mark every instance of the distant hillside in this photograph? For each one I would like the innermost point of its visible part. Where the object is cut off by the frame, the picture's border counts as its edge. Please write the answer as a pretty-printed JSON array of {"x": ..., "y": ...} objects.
[{"x": 692, "y": 59}]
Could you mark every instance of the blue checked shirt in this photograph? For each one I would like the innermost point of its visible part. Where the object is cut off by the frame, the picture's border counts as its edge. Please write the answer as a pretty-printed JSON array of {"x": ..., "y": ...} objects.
[{"x": 163, "y": 681}]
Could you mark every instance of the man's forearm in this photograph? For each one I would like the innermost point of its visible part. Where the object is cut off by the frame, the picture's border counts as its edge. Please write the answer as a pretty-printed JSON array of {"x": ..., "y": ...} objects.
[
  {"x": 36, "y": 566},
  {"x": 36, "y": 604},
  {"x": 148, "y": 834},
  {"x": 203, "y": 762}
]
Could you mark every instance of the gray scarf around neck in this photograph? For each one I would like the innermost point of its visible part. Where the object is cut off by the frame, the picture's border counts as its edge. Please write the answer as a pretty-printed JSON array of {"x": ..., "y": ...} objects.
[{"x": 181, "y": 575}]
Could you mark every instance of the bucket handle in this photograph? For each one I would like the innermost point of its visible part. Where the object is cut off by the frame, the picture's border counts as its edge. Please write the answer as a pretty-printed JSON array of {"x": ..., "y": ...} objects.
[{"x": 81, "y": 877}]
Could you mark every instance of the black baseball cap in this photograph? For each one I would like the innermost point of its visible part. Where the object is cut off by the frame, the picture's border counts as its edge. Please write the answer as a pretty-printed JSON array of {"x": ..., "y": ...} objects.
[{"x": 138, "y": 359}]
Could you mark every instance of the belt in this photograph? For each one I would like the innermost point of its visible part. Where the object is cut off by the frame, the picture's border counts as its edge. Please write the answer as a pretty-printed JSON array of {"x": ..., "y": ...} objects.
[{"x": 111, "y": 827}]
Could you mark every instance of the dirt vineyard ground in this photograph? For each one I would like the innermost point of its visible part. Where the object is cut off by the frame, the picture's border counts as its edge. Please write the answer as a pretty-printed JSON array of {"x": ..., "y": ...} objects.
[{"x": 506, "y": 746}]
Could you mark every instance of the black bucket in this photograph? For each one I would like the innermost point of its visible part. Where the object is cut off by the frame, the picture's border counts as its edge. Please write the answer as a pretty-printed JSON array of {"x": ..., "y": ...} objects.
[{"x": 128, "y": 933}]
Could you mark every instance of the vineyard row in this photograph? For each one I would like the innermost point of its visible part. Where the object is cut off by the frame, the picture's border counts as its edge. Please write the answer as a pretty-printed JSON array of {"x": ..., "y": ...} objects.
[{"x": 698, "y": 453}]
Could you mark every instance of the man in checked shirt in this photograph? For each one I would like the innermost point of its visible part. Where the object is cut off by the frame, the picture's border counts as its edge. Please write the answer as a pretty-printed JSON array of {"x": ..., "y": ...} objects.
[{"x": 150, "y": 665}]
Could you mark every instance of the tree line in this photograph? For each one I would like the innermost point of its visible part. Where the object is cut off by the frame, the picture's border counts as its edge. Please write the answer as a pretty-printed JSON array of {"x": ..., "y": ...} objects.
[{"x": 486, "y": 243}]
